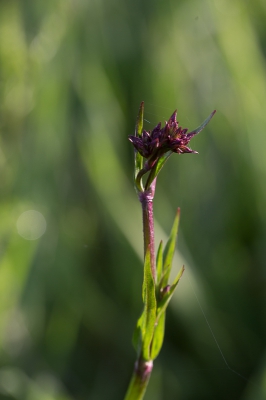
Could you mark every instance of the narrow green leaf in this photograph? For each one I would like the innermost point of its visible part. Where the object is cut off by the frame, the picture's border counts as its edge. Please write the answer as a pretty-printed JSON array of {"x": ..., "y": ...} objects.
[
  {"x": 164, "y": 278},
  {"x": 139, "y": 123},
  {"x": 159, "y": 261},
  {"x": 143, "y": 332},
  {"x": 137, "y": 338},
  {"x": 170, "y": 250},
  {"x": 158, "y": 336},
  {"x": 157, "y": 168},
  {"x": 178, "y": 276},
  {"x": 150, "y": 306},
  {"x": 202, "y": 126},
  {"x": 138, "y": 131},
  {"x": 162, "y": 305}
]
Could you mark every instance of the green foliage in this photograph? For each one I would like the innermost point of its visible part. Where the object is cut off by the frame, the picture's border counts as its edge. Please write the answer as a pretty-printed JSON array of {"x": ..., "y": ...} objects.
[
  {"x": 202, "y": 126},
  {"x": 149, "y": 312},
  {"x": 143, "y": 334},
  {"x": 159, "y": 261},
  {"x": 157, "y": 168},
  {"x": 138, "y": 157},
  {"x": 169, "y": 253},
  {"x": 149, "y": 332}
]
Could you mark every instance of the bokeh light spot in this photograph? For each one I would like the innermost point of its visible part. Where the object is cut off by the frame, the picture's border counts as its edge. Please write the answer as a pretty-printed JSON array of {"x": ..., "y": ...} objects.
[{"x": 31, "y": 225}]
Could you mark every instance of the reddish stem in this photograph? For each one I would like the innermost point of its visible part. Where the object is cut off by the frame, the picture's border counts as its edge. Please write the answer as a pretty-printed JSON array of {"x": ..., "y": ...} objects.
[{"x": 146, "y": 199}]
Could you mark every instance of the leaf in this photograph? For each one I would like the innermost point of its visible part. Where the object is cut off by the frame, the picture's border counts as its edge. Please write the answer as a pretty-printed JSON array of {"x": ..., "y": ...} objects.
[
  {"x": 169, "y": 251},
  {"x": 150, "y": 305},
  {"x": 139, "y": 123},
  {"x": 143, "y": 333},
  {"x": 159, "y": 261},
  {"x": 137, "y": 338},
  {"x": 162, "y": 305},
  {"x": 138, "y": 131},
  {"x": 157, "y": 168},
  {"x": 158, "y": 336},
  {"x": 202, "y": 126}
]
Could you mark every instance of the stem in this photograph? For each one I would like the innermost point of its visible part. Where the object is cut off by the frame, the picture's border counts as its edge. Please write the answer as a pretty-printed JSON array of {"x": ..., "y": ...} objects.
[
  {"x": 143, "y": 369},
  {"x": 139, "y": 380},
  {"x": 146, "y": 199}
]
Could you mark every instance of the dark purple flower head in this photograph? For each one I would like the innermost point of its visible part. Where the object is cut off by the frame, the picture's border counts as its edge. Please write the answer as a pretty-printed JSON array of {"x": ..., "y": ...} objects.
[
  {"x": 153, "y": 148},
  {"x": 174, "y": 138},
  {"x": 149, "y": 141},
  {"x": 153, "y": 144}
]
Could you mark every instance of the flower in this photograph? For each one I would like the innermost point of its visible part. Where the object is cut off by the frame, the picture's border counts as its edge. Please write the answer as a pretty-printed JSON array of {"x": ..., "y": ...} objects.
[
  {"x": 156, "y": 146},
  {"x": 153, "y": 144}
]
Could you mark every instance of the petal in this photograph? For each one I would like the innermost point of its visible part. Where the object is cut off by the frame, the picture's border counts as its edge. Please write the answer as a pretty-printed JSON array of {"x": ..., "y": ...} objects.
[{"x": 173, "y": 117}]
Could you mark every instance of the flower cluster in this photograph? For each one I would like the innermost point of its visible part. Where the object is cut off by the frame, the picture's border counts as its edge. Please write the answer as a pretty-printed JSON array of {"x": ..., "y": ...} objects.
[
  {"x": 153, "y": 144},
  {"x": 153, "y": 148}
]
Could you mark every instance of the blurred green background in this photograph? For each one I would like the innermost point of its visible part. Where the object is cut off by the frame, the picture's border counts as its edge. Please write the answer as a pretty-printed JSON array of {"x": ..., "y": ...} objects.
[{"x": 72, "y": 76}]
